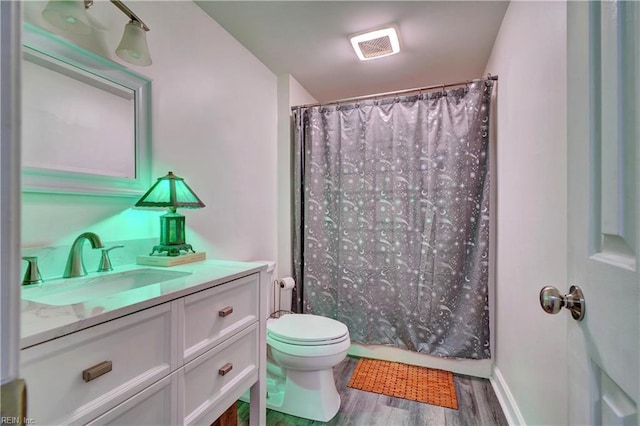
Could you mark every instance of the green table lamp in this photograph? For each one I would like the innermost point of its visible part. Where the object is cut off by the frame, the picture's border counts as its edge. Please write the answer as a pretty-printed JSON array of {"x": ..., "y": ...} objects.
[{"x": 171, "y": 191}]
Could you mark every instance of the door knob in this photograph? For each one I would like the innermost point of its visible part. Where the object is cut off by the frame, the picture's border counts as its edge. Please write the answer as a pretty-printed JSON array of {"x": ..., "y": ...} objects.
[{"x": 552, "y": 301}]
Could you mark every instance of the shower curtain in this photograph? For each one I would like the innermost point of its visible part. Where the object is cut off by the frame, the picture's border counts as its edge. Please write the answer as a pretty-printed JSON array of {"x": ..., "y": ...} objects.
[{"x": 392, "y": 219}]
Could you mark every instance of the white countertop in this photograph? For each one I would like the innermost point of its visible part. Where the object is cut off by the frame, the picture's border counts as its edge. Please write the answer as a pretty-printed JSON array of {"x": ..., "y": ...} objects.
[{"x": 40, "y": 322}]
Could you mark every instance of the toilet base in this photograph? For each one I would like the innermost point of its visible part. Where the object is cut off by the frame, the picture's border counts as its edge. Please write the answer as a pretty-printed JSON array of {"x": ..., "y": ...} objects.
[
  {"x": 310, "y": 402},
  {"x": 307, "y": 394}
]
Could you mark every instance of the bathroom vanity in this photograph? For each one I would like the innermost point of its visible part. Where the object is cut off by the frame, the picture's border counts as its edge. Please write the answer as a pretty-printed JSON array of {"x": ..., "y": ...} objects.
[{"x": 177, "y": 351}]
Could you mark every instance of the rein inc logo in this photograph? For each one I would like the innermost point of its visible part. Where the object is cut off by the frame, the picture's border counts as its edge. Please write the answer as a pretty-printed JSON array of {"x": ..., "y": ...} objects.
[{"x": 8, "y": 420}]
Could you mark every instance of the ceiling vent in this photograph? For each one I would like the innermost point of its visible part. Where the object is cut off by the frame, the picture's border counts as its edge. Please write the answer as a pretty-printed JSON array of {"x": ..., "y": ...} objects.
[{"x": 375, "y": 44}]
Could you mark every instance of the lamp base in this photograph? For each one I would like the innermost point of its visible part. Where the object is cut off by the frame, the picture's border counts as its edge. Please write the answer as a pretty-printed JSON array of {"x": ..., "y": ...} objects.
[
  {"x": 167, "y": 261},
  {"x": 173, "y": 249}
]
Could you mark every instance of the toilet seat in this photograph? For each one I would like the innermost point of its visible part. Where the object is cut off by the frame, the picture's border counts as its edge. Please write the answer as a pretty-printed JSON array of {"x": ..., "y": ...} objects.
[
  {"x": 307, "y": 343},
  {"x": 307, "y": 330}
]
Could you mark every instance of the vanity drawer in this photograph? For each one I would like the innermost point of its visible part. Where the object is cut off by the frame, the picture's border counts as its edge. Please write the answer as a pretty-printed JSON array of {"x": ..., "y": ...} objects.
[
  {"x": 151, "y": 407},
  {"x": 217, "y": 378},
  {"x": 212, "y": 315},
  {"x": 139, "y": 347}
]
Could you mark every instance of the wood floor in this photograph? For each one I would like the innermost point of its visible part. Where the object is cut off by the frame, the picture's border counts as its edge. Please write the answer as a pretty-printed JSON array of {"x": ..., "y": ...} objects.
[{"x": 477, "y": 403}]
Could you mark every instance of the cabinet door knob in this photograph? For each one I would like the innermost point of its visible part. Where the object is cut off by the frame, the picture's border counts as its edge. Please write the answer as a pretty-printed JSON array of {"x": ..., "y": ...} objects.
[
  {"x": 225, "y": 311},
  {"x": 96, "y": 371},
  {"x": 225, "y": 369}
]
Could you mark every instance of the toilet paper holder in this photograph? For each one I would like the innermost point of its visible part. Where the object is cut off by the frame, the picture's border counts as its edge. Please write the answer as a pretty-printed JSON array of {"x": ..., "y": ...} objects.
[{"x": 282, "y": 288}]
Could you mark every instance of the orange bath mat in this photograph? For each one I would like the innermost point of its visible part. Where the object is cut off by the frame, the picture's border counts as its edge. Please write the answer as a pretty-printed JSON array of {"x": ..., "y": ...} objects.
[{"x": 410, "y": 382}]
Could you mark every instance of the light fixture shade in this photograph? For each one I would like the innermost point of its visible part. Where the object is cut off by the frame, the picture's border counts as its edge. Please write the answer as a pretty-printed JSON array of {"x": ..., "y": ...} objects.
[
  {"x": 170, "y": 191},
  {"x": 376, "y": 44},
  {"x": 68, "y": 15},
  {"x": 133, "y": 46}
]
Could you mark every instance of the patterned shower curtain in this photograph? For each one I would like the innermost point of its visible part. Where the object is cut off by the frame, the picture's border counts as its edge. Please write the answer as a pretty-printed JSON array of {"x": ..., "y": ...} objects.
[{"x": 392, "y": 219}]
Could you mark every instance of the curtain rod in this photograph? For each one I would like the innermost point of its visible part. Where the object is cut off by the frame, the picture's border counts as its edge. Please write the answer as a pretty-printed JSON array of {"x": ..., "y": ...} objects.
[{"x": 417, "y": 89}]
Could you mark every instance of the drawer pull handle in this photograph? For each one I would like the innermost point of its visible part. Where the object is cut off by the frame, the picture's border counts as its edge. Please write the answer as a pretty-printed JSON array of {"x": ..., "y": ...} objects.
[
  {"x": 96, "y": 371},
  {"x": 225, "y": 369},
  {"x": 225, "y": 311}
]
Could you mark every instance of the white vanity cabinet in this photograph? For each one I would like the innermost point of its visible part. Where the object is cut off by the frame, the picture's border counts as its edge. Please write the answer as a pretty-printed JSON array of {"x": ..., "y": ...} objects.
[
  {"x": 183, "y": 361},
  {"x": 213, "y": 315},
  {"x": 139, "y": 346},
  {"x": 154, "y": 406},
  {"x": 215, "y": 375},
  {"x": 216, "y": 379}
]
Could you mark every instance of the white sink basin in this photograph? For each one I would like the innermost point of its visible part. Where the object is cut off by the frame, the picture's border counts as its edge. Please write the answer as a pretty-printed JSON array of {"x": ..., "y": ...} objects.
[{"x": 78, "y": 290}]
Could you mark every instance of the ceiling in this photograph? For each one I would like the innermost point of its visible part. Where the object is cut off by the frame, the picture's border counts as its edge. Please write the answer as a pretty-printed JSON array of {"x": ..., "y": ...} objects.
[{"x": 441, "y": 41}]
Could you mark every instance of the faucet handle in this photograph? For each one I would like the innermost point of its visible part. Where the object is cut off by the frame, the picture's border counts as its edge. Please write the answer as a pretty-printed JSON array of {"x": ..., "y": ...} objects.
[
  {"x": 32, "y": 274},
  {"x": 105, "y": 262}
]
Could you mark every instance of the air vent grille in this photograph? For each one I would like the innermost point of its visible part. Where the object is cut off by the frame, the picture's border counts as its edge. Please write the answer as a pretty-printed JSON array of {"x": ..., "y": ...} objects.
[
  {"x": 376, "y": 44},
  {"x": 377, "y": 47}
]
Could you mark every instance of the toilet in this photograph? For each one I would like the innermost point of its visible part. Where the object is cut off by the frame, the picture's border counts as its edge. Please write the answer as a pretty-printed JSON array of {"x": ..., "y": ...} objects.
[{"x": 302, "y": 350}]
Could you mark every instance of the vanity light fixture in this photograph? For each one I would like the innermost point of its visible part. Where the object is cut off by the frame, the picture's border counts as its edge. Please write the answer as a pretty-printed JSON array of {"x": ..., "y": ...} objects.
[
  {"x": 71, "y": 16},
  {"x": 133, "y": 46},
  {"x": 68, "y": 15},
  {"x": 376, "y": 43},
  {"x": 171, "y": 191}
]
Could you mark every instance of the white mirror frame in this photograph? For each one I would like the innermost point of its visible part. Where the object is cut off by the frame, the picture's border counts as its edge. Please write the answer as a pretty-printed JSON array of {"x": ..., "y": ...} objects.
[{"x": 35, "y": 179}]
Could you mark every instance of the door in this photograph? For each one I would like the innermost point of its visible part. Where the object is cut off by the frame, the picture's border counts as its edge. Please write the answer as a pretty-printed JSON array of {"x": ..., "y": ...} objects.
[
  {"x": 604, "y": 215},
  {"x": 12, "y": 388}
]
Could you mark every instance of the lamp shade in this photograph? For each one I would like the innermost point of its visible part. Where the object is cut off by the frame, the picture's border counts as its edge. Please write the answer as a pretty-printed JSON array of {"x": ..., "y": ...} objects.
[
  {"x": 170, "y": 191},
  {"x": 133, "y": 47},
  {"x": 68, "y": 15}
]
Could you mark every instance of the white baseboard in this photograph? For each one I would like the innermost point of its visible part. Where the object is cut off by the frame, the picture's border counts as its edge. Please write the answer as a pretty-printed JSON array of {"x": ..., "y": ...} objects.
[{"x": 506, "y": 399}]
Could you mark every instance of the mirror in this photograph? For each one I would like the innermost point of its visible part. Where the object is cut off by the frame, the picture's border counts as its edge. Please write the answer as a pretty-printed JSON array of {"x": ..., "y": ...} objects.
[{"x": 86, "y": 120}]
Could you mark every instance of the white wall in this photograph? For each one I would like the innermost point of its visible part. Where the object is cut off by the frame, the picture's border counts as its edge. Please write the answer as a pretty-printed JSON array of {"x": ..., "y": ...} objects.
[
  {"x": 214, "y": 123},
  {"x": 290, "y": 93},
  {"x": 298, "y": 95},
  {"x": 529, "y": 56}
]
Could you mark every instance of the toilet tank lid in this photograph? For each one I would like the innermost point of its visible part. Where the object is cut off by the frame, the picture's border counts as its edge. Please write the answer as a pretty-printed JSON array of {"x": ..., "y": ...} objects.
[{"x": 307, "y": 328}]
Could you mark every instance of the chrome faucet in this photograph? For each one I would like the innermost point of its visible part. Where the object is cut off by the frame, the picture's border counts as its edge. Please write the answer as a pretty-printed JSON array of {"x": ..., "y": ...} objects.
[
  {"x": 32, "y": 274},
  {"x": 105, "y": 262},
  {"x": 75, "y": 264}
]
